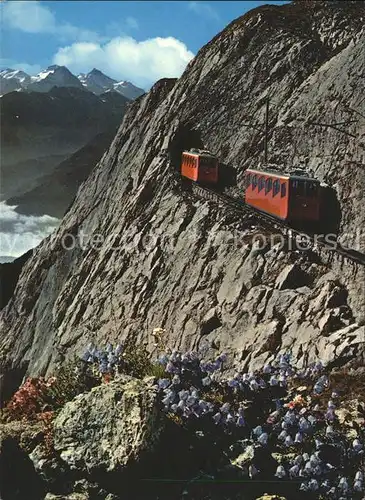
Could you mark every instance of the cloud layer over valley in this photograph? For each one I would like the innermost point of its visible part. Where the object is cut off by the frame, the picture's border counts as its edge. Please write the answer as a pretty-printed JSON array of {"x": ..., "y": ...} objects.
[{"x": 19, "y": 233}]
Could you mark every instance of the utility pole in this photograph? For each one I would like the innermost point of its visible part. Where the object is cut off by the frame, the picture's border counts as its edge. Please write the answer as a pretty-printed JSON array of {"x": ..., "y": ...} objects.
[{"x": 266, "y": 127}]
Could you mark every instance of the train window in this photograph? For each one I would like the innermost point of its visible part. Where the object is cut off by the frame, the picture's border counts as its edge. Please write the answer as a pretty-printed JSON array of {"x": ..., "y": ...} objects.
[
  {"x": 312, "y": 189},
  {"x": 268, "y": 185},
  {"x": 283, "y": 190},
  {"x": 261, "y": 183},
  {"x": 254, "y": 181},
  {"x": 276, "y": 187},
  {"x": 297, "y": 188}
]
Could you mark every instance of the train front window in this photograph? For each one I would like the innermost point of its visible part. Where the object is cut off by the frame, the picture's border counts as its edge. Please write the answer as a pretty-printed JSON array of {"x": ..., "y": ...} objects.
[
  {"x": 283, "y": 190},
  {"x": 312, "y": 189},
  {"x": 254, "y": 181},
  {"x": 207, "y": 162},
  {"x": 298, "y": 188},
  {"x": 248, "y": 180}
]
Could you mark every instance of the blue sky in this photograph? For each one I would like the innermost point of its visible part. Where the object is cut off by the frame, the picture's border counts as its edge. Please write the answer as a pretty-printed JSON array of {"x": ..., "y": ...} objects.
[{"x": 139, "y": 41}]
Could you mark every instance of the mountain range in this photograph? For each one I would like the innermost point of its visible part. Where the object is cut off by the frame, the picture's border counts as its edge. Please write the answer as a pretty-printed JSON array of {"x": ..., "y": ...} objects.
[
  {"x": 46, "y": 119},
  {"x": 59, "y": 76},
  {"x": 40, "y": 131}
]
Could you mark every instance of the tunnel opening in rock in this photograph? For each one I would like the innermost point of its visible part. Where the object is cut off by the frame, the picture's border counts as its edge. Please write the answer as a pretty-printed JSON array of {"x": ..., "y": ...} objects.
[{"x": 185, "y": 138}]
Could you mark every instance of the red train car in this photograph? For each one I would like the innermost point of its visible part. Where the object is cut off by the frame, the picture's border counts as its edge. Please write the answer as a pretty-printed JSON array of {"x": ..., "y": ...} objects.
[
  {"x": 200, "y": 166},
  {"x": 290, "y": 197}
]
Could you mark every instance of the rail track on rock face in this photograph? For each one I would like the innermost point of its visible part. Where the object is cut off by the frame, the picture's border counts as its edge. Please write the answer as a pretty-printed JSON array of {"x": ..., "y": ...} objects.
[{"x": 318, "y": 241}]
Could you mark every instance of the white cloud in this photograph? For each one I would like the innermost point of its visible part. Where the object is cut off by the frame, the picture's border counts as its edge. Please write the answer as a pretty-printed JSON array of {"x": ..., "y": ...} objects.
[
  {"x": 203, "y": 9},
  {"x": 32, "y": 17},
  {"x": 19, "y": 233},
  {"x": 118, "y": 54},
  {"x": 124, "y": 58}
]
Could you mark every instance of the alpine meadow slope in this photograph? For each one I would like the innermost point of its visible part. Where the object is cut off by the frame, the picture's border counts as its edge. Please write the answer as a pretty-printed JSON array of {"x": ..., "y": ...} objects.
[{"x": 158, "y": 261}]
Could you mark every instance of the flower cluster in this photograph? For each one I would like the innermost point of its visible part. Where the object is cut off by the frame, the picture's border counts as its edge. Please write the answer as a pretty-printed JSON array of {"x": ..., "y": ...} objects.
[
  {"x": 290, "y": 418},
  {"x": 29, "y": 400},
  {"x": 301, "y": 427},
  {"x": 108, "y": 360},
  {"x": 46, "y": 418},
  {"x": 129, "y": 358},
  {"x": 38, "y": 395},
  {"x": 189, "y": 385}
]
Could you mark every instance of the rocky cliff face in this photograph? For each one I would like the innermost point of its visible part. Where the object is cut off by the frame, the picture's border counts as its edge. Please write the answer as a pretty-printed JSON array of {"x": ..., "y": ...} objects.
[{"x": 166, "y": 258}]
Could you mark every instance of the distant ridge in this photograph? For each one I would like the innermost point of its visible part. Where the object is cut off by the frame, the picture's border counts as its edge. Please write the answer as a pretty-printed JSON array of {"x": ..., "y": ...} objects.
[{"x": 59, "y": 76}]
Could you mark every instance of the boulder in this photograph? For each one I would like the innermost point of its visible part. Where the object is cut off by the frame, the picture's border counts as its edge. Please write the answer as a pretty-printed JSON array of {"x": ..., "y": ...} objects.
[{"x": 110, "y": 428}]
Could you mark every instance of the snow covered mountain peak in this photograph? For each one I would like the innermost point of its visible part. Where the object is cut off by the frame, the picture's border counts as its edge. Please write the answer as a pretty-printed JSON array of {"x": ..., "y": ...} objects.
[
  {"x": 9, "y": 73},
  {"x": 60, "y": 76},
  {"x": 12, "y": 79},
  {"x": 96, "y": 81},
  {"x": 53, "y": 76}
]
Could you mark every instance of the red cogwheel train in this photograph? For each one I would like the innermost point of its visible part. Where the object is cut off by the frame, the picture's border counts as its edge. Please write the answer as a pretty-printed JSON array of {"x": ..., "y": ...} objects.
[
  {"x": 200, "y": 165},
  {"x": 291, "y": 197}
]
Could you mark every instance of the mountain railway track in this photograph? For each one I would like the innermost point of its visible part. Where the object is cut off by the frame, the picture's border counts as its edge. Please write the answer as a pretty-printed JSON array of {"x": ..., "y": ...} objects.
[{"x": 335, "y": 248}]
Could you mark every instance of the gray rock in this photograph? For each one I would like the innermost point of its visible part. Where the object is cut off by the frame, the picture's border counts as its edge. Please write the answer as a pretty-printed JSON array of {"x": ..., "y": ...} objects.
[
  {"x": 291, "y": 277},
  {"x": 110, "y": 428}
]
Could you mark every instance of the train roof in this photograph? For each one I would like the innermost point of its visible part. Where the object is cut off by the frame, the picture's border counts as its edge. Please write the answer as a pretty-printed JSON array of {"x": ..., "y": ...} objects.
[
  {"x": 296, "y": 174},
  {"x": 200, "y": 152}
]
